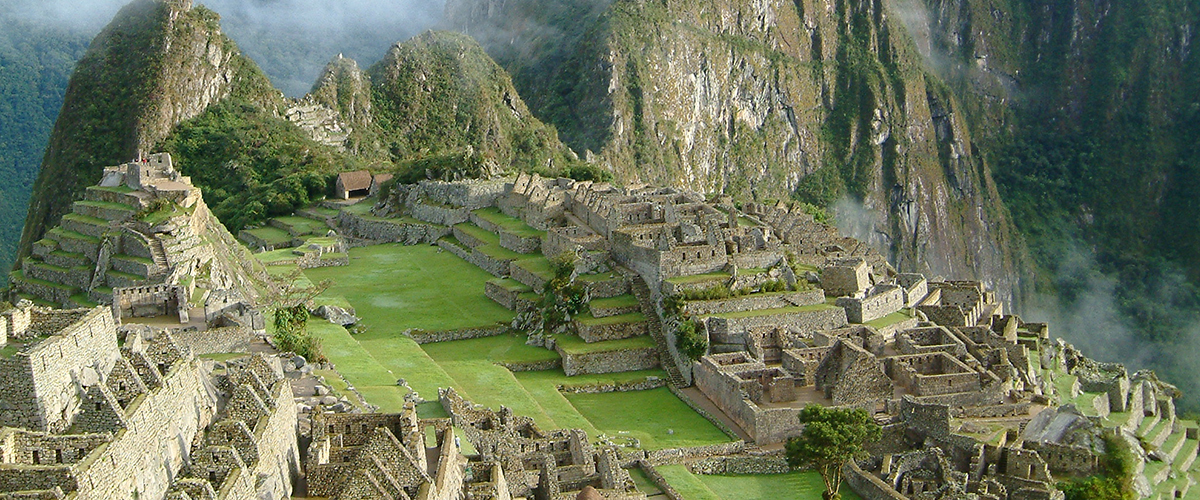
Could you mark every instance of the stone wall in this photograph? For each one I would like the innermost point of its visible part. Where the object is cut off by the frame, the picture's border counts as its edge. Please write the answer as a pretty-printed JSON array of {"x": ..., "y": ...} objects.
[
  {"x": 38, "y": 385},
  {"x": 526, "y": 277},
  {"x": 149, "y": 452},
  {"x": 755, "y": 302},
  {"x": 668, "y": 456},
  {"x": 278, "y": 452},
  {"x": 438, "y": 214},
  {"x": 215, "y": 340},
  {"x": 847, "y": 277},
  {"x": 603, "y": 289},
  {"x": 742, "y": 464},
  {"x": 500, "y": 294},
  {"x": 426, "y": 337},
  {"x": 867, "y": 485},
  {"x": 609, "y": 361},
  {"x": 883, "y": 300},
  {"x": 377, "y": 229},
  {"x": 733, "y": 330},
  {"x": 614, "y": 331}
]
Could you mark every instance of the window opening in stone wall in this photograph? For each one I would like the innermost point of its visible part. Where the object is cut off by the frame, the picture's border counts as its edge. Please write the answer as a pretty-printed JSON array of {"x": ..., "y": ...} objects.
[
  {"x": 58, "y": 456},
  {"x": 36, "y": 457}
]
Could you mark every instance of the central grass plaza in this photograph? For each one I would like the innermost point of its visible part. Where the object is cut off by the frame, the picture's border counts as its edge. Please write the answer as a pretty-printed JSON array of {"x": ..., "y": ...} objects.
[{"x": 395, "y": 288}]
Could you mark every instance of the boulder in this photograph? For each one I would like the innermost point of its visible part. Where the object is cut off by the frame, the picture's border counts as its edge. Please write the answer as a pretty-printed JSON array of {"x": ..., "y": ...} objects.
[{"x": 337, "y": 315}]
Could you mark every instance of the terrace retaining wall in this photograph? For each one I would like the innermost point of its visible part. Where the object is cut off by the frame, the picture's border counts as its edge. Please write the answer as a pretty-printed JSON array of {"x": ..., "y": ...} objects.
[{"x": 624, "y": 360}]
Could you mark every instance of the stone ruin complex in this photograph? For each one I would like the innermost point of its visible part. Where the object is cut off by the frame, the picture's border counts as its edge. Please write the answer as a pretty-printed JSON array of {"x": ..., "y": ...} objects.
[
  {"x": 89, "y": 413},
  {"x": 974, "y": 402},
  {"x": 144, "y": 242}
]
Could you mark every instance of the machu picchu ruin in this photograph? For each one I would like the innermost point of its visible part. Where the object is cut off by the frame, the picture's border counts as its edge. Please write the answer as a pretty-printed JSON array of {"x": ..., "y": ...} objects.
[
  {"x": 596, "y": 291},
  {"x": 599, "y": 250}
]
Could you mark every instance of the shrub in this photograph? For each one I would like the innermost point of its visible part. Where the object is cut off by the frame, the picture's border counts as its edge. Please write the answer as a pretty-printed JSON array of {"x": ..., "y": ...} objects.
[
  {"x": 291, "y": 333},
  {"x": 690, "y": 339}
]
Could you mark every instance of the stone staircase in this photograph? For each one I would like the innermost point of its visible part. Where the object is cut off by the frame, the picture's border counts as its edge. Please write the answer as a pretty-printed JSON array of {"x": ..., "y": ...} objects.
[
  {"x": 159, "y": 255},
  {"x": 646, "y": 302}
]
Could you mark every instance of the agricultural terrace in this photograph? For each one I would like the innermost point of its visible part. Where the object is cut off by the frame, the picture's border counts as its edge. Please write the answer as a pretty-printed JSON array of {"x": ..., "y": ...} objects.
[{"x": 395, "y": 288}]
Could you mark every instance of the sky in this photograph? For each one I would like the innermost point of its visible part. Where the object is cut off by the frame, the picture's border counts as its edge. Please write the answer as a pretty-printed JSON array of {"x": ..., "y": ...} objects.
[{"x": 290, "y": 39}]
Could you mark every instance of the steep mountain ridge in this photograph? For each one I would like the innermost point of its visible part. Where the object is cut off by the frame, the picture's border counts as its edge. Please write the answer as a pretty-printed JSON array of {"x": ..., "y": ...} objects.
[
  {"x": 157, "y": 64},
  {"x": 765, "y": 100}
]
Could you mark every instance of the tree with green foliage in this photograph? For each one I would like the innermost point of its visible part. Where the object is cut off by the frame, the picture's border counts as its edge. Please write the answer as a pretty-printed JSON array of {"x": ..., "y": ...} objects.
[
  {"x": 690, "y": 339},
  {"x": 291, "y": 316},
  {"x": 831, "y": 436},
  {"x": 1114, "y": 481}
]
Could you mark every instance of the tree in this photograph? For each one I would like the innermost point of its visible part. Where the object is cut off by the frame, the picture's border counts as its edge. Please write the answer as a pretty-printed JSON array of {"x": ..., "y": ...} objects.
[{"x": 830, "y": 437}]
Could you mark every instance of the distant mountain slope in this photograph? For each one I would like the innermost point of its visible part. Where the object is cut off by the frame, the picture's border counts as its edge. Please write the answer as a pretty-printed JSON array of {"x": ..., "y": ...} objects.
[
  {"x": 765, "y": 100},
  {"x": 158, "y": 63},
  {"x": 37, "y": 62}
]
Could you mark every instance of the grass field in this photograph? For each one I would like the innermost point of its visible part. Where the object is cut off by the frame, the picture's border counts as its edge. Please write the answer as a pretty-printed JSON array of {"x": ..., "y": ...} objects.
[
  {"x": 791, "y": 486},
  {"x": 394, "y": 288},
  {"x": 656, "y": 417}
]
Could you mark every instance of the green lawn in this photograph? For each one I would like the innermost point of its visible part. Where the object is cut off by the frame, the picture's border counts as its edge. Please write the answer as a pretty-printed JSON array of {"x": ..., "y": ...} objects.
[
  {"x": 539, "y": 266},
  {"x": 891, "y": 319},
  {"x": 648, "y": 416},
  {"x": 301, "y": 225},
  {"x": 395, "y": 288},
  {"x": 791, "y": 486},
  {"x": 572, "y": 344},
  {"x": 512, "y": 225},
  {"x": 359, "y": 366},
  {"x": 271, "y": 235},
  {"x": 626, "y": 300}
]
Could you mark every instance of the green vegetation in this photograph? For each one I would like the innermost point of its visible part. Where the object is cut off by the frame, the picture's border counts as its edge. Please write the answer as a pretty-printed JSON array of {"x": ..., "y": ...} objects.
[
  {"x": 291, "y": 333},
  {"x": 572, "y": 344},
  {"x": 1115, "y": 481},
  {"x": 271, "y": 235},
  {"x": 655, "y": 417},
  {"x": 253, "y": 164},
  {"x": 509, "y": 224},
  {"x": 413, "y": 287},
  {"x": 690, "y": 339},
  {"x": 831, "y": 437},
  {"x": 791, "y": 486}
]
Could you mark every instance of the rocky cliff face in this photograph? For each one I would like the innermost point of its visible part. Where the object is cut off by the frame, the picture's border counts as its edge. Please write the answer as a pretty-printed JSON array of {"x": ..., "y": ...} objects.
[
  {"x": 762, "y": 99},
  {"x": 158, "y": 63}
]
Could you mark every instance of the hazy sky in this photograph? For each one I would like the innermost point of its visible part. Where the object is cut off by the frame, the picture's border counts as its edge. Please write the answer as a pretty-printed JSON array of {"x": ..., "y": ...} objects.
[{"x": 291, "y": 39}]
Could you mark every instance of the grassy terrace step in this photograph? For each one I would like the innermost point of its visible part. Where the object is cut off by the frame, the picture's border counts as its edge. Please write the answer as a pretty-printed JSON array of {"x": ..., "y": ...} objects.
[
  {"x": 891, "y": 319},
  {"x": 299, "y": 225},
  {"x": 86, "y": 219},
  {"x": 572, "y": 344},
  {"x": 538, "y": 266},
  {"x": 83, "y": 301},
  {"x": 626, "y": 300},
  {"x": 107, "y": 205},
  {"x": 60, "y": 234},
  {"x": 479, "y": 233},
  {"x": 633, "y": 317},
  {"x": 699, "y": 278},
  {"x": 454, "y": 241},
  {"x": 593, "y": 278},
  {"x": 773, "y": 312},
  {"x": 511, "y": 285},
  {"x": 499, "y": 253},
  {"x": 509, "y": 224},
  {"x": 131, "y": 277},
  {"x": 19, "y": 275},
  {"x": 1148, "y": 426},
  {"x": 271, "y": 235}
]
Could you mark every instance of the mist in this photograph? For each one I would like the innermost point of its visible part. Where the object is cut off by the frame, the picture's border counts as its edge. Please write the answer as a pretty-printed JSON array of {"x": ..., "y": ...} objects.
[{"x": 291, "y": 40}]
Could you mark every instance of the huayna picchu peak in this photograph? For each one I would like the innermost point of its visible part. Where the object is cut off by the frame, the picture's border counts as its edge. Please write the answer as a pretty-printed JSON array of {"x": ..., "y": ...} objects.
[{"x": 610, "y": 249}]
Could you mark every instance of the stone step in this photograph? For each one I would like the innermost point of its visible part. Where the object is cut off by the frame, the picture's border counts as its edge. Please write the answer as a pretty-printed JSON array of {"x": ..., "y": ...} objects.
[
  {"x": 63, "y": 258},
  {"x": 104, "y": 210},
  {"x": 85, "y": 224},
  {"x": 1160, "y": 433},
  {"x": 1173, "y": 444},
  {"x": 77, "y": 277},
  {"x": 614, "y": 306},
  {"x": 1187, "y": 456},
  {"x": 122, "y": 195},
  {"x": 48, "y": 291},
  {"x": 71, "y": 241}
]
